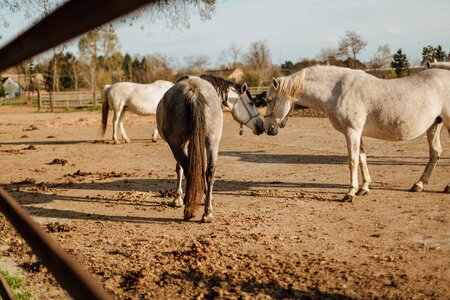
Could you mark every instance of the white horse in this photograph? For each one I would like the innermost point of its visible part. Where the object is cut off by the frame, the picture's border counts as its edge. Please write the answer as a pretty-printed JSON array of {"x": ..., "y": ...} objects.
[
  {"x": 359, "y": 104},
  {"x": 438, "y": 65},
  {"x": 141, "y": 99},
  {"x": 189, "y": 119}
]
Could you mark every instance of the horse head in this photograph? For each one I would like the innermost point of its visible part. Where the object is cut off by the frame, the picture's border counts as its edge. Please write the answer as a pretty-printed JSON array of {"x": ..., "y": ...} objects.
[
  {"x": 279, "y": 105},
  {"x": 239, "y": 101}
]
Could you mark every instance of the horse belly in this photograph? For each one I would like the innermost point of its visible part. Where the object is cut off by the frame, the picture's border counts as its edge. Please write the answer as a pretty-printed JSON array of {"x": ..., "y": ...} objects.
[
  {"x": 142, "y": 108},
  {"x": 396, "y": 130}
]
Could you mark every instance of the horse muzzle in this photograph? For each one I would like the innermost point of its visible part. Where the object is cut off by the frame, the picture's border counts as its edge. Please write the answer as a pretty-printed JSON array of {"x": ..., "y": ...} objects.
[{"x": 272, "y": 130}]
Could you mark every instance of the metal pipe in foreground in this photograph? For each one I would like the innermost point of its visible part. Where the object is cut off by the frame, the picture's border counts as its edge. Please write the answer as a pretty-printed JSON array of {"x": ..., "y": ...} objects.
[{"x": 67, "y": 272}]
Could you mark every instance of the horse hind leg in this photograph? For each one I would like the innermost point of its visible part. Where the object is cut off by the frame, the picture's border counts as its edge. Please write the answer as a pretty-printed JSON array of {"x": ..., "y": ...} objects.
[
  {"x": 122, "y": 130},
  {"x": 210, "y": 173},
  {"x": 178, "y": 201},
  {"x": 115, "y": 125},
  {"x": 364, "y": 189},
  {"x": 435, "y": 149}
]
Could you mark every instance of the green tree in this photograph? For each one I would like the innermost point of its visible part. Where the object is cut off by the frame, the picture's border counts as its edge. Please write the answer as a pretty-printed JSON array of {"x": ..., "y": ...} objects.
[
  {"x": 127, "y": 67},
  {"x": 440, "y": 54},
  {"x": 428, "y": 54},
  {"x": 399, "y": 62}
]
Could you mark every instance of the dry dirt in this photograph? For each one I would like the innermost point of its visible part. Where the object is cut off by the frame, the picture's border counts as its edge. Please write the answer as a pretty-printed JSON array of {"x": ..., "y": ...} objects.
[{"x": 279, "y": 229}]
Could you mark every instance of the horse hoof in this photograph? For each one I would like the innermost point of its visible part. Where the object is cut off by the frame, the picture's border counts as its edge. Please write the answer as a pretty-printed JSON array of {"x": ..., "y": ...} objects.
[
  {"x": 187, "y": 216},
  {"x": 177, "y": 202},
  {"x": 154, "y": 140},
  {"x": 362, "y": 192},
  {"x": 347, "y": 198},
  {"x": 116, "y": 143},
  {"x": 416, "y": 188},
  {"x": 127, "y": 141},
  {"x": 447, "y": 189},
  {"x": 207, "y": 218}
]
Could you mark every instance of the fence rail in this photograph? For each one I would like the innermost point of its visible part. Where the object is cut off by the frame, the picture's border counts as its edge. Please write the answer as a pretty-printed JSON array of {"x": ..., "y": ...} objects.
[{"x": 67, "y": 100}]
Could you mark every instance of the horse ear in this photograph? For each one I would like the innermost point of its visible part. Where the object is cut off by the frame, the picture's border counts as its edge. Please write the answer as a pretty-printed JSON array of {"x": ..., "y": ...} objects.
[
  {"x": 428, "y": 64},
  {"x": 275, "y": 83},
  {"x": 244, "y": 88}
]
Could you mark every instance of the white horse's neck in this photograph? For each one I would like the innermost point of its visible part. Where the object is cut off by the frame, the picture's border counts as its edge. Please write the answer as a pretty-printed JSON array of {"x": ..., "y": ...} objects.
[{"x": 318, "y": 85}]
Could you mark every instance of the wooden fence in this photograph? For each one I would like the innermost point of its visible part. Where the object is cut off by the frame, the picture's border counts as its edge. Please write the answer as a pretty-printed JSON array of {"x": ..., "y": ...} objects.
[
  {"x": 66, "y": 100},
  {"x": 55, "y": 100}
]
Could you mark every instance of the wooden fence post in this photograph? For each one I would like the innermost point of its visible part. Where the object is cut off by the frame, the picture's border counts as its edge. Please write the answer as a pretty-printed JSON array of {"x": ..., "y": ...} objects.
[{"x": 51, "y": 101}]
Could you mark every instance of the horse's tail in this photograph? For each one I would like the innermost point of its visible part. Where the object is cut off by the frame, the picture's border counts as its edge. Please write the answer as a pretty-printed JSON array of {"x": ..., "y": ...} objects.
[
  {"x": 195, "y": 175},
  {"x": 105, "y": 109}
]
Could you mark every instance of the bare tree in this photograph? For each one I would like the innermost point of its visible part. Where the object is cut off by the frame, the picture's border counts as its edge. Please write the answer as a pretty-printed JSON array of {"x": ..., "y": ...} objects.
[
  {"x": 327, "y": 54},
  {"x": 381, "y": 58},
  {"x": 351, "y": 45},
  {"x": 195, "y": 64},
  {"x": 259, "y": 59},
  {"x": 231, "y": 55},
  {"x": 175, "y": 12}
]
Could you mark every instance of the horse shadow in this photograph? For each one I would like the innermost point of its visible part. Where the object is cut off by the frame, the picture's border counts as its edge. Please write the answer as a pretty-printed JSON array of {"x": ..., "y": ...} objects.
[
  {"x": 266, "y": 158},
  {"x": 273, "y": 289},
  {"x": 73, "y": 142},
  {"x": 29, "y": 195}
]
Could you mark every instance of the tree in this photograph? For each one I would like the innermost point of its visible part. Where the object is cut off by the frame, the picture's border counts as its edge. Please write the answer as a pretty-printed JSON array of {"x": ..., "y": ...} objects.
[
  {"x": 440, "y": 54},
  {"x": 259, "y": 59},
  {"x": 88, "y": 46},
  {"x": 127, "y": 67},
  {"x": 399, "y": 62},
  {"x": 176, "y": 13},
  {"x": 195, "y": 64},
  {"x": 428, "y": 54},
  {"x": 350, "y": 46},
  {"x": 381, "y": 58}
]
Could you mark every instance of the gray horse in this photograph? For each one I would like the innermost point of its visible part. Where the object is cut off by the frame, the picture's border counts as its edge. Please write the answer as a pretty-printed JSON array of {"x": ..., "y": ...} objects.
[{"x": 190, "y": 119}]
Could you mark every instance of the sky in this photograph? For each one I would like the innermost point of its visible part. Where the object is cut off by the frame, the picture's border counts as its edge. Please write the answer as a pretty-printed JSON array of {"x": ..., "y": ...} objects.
[{"x": 293, "y": 29}]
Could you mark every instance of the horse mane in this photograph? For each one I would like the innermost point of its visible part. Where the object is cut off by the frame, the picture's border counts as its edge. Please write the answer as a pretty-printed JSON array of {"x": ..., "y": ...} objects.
[
  {"x": 182, "y": 78},
  {"x": 220, "y": 85},
  {"x": 291, "y": 86}
]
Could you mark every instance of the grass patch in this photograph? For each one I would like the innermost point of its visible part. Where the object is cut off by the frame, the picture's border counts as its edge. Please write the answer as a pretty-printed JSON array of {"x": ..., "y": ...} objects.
[
  {"x": 17, "y": 284},
  {"x": 18, "y": 101}
]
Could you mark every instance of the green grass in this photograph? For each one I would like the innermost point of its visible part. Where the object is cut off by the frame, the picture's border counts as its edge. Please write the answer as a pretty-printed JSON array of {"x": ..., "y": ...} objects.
[
  {"x": 17, "y": 284},
  {"x": 18, "y": 101}
]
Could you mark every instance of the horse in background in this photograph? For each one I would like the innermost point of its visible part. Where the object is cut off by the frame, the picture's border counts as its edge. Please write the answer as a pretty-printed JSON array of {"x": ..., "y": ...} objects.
[
  {"x": 141, "y": 99},
  {"x": 358, "y": 104},
  {"x": 438, "y": 65},
  {"x": 190, "y": 119}
]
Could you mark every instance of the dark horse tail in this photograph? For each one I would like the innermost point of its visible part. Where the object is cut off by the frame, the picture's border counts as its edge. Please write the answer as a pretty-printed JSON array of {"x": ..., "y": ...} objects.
[
  {"x": 105, "y": 109},
  {"x": 195, "y": 173}
]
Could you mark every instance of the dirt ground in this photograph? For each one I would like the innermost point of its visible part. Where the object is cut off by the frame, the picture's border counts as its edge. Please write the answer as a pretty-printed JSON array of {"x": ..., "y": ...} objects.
[{"x": 279, "y": 229}]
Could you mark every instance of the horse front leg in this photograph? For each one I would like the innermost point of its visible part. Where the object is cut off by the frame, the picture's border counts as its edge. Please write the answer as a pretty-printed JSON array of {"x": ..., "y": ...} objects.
[
  {"x": 364, "y": 189},
  {"x": 353, "y": 139},
  {"x": 210, "y": 173},
  {"x": 155, "y": 135},
  {"x": 435, "y": 149},
  {"x": 178, "y": 201}
]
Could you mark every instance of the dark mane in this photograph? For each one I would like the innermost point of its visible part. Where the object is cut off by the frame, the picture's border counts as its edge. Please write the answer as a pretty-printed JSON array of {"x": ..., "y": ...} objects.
[
  {"x": 221, "y": 85},
  {"x": 182, "y": 78}
]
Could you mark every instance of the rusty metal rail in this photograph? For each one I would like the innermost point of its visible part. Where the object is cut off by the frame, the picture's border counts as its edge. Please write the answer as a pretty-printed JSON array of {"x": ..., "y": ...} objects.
[
  {"x": 71, "y": 19},
  {"x": 5, "y": 291},
  {"x": 67, "y": 271}
]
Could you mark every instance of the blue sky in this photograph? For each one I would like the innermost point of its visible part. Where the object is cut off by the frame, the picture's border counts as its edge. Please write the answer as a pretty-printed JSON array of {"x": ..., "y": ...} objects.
[{"x": 293, "y": 29}]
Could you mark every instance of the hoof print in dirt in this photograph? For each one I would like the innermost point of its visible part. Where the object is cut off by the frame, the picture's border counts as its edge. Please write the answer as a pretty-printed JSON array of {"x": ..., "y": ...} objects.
[
  {"x": 59, "y": 161},
  {"x": 57, "y": 227}
]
